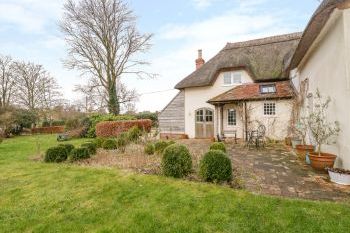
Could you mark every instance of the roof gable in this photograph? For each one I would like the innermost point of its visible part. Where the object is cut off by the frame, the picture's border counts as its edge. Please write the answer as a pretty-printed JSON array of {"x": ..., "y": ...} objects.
[{"x": 265, "y": 59}]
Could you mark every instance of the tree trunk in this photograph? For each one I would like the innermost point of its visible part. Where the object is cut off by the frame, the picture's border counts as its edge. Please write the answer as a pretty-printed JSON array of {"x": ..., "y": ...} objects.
[{"x": 113, "y": 102}]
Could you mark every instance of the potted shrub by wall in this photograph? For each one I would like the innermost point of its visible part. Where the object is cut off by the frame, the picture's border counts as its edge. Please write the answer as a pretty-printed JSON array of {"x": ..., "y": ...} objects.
[
  {"x": 339, "y": 176},
  {"x": 302, "y": 149},
  {"x": 322, "y": 131}
]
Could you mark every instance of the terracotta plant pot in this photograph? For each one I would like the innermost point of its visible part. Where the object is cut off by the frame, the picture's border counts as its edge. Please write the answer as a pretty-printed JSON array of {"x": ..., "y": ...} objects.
[
  {"x": 322, "y": 162},
  {"x": 302, "y": 150}
]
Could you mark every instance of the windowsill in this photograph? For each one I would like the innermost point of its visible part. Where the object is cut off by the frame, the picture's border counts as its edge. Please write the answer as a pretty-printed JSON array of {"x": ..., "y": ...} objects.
[{"x": 230, "y": 85}]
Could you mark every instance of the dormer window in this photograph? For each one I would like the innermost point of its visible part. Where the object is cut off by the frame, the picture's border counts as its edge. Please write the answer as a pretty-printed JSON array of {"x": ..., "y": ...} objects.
[
  {"x": 232, "y": 78},
  {"x": 267, "y": 88}
]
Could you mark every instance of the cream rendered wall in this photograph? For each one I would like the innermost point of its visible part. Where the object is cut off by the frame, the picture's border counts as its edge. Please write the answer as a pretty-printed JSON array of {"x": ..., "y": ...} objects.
[
  {"x": 276, "y": 126},
  {"x": 197, "y": 97},
  {"x": 327, "y": 68}
]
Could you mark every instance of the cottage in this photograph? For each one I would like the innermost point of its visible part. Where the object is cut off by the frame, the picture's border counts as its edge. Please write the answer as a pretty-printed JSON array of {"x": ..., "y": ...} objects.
[{"x": 245, "y": 85}]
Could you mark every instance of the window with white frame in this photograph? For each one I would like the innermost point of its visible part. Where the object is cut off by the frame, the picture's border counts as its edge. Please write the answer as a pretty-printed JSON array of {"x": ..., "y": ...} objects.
[
  {"x": 267, "y": 89},
  {"x": 231, "y": 117},
  {"x": 269, "y": 109},
  {"x": 232, "y": 78}
]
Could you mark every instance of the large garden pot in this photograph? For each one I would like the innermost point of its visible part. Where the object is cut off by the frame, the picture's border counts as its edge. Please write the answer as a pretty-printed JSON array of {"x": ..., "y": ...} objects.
[
  {"x": 325, "y": 160},
  {"x": 302, "y": 150},
  {"x": 295, "y": 142},
  {"x": 339, "y": 176}
]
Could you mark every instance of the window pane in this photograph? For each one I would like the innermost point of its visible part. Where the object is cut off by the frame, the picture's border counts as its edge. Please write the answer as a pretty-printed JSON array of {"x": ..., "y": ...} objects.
[
  {"x": 227, "y": 78},
  {"x": 208, "y": 116},
  {"x": 237, "y": 78},
  {"x": 231, "y": 117},
  {"x": 269, "y": 109},
  {"x": 268, "y": 89},
  {"x": 200, "y": 116}
]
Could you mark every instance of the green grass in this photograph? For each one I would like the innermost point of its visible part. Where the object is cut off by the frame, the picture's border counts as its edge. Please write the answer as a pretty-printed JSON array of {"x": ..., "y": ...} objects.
[{"x": 39, "y": 197}]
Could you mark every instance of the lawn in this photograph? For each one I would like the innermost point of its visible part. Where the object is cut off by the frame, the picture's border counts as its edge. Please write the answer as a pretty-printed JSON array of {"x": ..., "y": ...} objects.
[{"x": 39, "y": 197}]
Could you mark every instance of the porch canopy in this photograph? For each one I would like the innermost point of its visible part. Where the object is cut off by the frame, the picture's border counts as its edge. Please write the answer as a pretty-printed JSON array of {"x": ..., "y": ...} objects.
[{"x": 250, "y": 92}]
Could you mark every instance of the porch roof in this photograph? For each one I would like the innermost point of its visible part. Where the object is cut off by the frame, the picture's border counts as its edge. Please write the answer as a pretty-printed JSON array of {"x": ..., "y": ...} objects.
[{"x": 284, "y": 90}]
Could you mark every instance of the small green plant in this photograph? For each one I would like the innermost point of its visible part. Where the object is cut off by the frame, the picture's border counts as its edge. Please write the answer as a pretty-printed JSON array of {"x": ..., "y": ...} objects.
[
  {"x": 109, "y": 144},
  {"x": 134, "y": 134},
  {"x": 56, "y": 154},
  {"x": 160, "y": 145},
  {"x": 122, "y": 141},
  {"x": 216, "y": 166},
  {"x": 68, "y": 147},
  {"x": 218, "y": 146},
  {"x": 79, "y": 154},
  {"x": 176, "y": 161},
  {"x": 99, "y": 142},
  {"x": 149, "y": 149},
  {"x": 91, "y": 146}
]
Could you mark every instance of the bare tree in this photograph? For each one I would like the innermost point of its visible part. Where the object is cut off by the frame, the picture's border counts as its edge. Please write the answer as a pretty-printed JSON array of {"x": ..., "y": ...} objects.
[
  {"x": 96, "y": 97},
  {"x": 36, "y": 89},
  {"x": 103, "y": 42},
  {"x": 7, "y": 81}
]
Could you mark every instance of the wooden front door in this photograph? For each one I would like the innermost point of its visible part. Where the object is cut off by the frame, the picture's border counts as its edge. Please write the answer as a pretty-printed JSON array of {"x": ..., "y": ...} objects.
[{"x": 204, "y": 123}]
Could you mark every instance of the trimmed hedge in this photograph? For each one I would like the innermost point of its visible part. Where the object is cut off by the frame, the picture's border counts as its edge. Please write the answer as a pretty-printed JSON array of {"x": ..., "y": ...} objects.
[
  {"x": 109, "y": 144},
  {"x": 91, "y": 146},
  {"x": 79, "y": 154},
  {"x": 215, "y": 166},
  {"x": 176, "y": 161},
  {"x": 115, "y": 128},
  {"x": 159, "y": 146},
  {"x": 218, "y": 146},
  {"x": 149, "y": 149},
  {"x": 48, "y": 130},
  {"x": 68, "y": 147},
  {"x": 56, "y": 154}
]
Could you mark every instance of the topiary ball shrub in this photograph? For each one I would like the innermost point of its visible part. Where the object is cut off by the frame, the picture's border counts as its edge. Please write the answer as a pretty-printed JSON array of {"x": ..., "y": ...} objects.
[
  {"x": 176, "y": 161},
  {"x": 149, "y": 149},
  {"x": 134, "y": 134},
  {"x": 218, "y": 146},
  {"x": 109, "y": 144},
  {"x": 160, "y": 146},
  {"x": 91, "y": 146},
  {"x": 215, "y": 166},
  {"x": 56, "y": 154},
  {"x": 79, "y": 154},
  {"x": 99, "y": 142},
  {"x": 69, "y": 147}
]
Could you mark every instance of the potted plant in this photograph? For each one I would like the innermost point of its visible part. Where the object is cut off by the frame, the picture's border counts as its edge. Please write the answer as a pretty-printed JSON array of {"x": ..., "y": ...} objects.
[
  {"x": 302, "y": 148},
  {"x": 322, "y": 131},
  {"x": 339, "y": 176}
]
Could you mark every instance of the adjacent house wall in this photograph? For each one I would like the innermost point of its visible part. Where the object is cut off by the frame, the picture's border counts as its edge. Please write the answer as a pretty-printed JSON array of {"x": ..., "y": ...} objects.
[
  {"x": 327, "y": 68},
  {"x": 172, "y": 118},
  {"x": 197, "y": 97}
]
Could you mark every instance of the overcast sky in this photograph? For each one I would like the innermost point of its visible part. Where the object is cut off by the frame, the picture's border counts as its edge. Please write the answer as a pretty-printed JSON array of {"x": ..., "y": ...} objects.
[{"x": 29, "y": 31}]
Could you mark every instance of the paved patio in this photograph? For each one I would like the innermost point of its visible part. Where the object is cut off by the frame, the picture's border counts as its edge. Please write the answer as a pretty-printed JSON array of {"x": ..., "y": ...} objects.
[{"x": 277, "y": 171}]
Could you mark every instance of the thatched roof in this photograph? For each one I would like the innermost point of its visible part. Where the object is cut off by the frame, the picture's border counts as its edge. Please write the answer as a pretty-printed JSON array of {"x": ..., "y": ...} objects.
[
  {"x": 264, "y": 59},
  {"x": 315, "y": 26},
  {"x": 251, "y": 92}
]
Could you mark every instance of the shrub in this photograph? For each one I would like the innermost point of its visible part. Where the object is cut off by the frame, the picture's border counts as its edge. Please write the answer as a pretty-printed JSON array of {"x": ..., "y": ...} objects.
[
  {"x": 122, "y": 141},
  {"x": 160, "y": 146},
  {"x": 72, "y": 124},
  {"x": 216, "y": 166},
  {"x": 79, "y": 154},
  {"x": 77, "y": 133},
  {"x": 114, "y": 128},
  {"x": 91, "y": 146},
  {"x": 153, "y": 116},
  {"x": 109, "y": 144},
  {"x": 218, "y": 146},
  {"x": 176, "y": 161},
  {"x": 48, "y": 130},
  {"x": 92, "y": 121},
  {"x": 56, "y": 154},
  {"x": 99, "y": 142},
  {"x": 149, "y": 149},
  {"x": 134, "y": 134},
  {"x": 68, "y": 147}
]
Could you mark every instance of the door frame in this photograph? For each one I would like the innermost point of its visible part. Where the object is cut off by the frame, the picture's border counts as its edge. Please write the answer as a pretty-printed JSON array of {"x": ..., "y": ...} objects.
[{"x": 205, "y": 123}]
